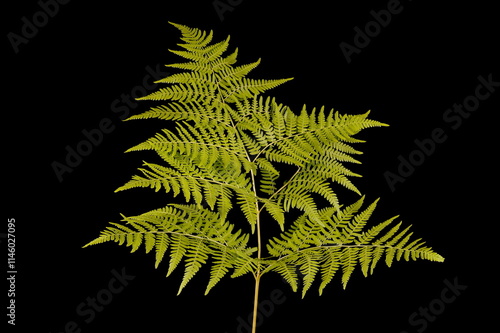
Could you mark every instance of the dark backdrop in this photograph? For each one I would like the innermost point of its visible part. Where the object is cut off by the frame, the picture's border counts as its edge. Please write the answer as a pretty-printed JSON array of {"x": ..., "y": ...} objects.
[{"x": 73, "y": 69}]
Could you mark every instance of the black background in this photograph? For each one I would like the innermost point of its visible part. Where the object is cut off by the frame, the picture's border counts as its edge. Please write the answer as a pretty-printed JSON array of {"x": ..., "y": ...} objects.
[{"x": 65, "y": 79}]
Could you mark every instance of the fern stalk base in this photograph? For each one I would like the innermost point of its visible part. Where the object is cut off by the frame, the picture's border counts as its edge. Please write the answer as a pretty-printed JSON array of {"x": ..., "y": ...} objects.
[{"x": 256, "y": 303}]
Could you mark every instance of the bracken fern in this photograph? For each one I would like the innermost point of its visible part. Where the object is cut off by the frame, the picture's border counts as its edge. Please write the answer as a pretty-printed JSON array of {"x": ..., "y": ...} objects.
[{"x": 228, "y": 152}]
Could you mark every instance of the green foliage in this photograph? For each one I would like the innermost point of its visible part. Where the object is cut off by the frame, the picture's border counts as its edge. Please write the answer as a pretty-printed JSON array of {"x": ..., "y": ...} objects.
[
  {"x": 190, "y": 233},
  {"x": 341, "y": 243},
  {"x": 229, "y": 159}
]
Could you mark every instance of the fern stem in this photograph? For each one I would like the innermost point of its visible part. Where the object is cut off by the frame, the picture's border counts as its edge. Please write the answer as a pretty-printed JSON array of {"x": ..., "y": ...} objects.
[
  {"x": 256, "y": 302},
  {"x": 258, "y": 273}
]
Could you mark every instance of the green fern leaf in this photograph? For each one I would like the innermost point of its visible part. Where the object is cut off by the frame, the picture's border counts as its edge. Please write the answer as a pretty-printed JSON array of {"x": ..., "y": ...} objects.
[
  {"x": 349, "y": 260},
  {"x": 329, "y": 266},
  {"x": 161, "y": 245},
  {"x": 193, "y": 37},
  {"x": 247, "y": 88},
  {"x": 341, "y": 243},
  {"x": 287, "y": 271},
  {"x": 222, "y": 264},
  {"x": 196, "y": 255},
  {"x": 309, "y": 265},
  {"x": 234, "y": 155}
]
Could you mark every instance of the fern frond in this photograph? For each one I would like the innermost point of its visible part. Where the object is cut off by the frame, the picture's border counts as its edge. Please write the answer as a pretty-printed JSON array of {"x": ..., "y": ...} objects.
[
  {"x": 202, "y": 54},
  {"x": 353, "y": 228},
  {"x": 229, "y": 73},
  {"x": 188, "y": 233},
  {"x": 161, "y": 244},
  {"x": 341, "y": 243},
  {"x": 275, "y": 210},
  {"x": 190, "y": 78},
  {"x": 349, "y": 258},
  {"x": 287, "y": 271},
  {"x": 244, "y": 263},
  {"x": 192, "y": 111},
  {"x": 309, "y": 264},
  {"x": 269, "y": 176},
  {"x": 331, "y": 262},
  {"x": 178, "y": 247},
  {"x": 308, "y": 138},
  {"x": 225, "y": 150},
  {"x": 183, "y": 93},
  {"x": 206, "y": 164},
  {"x": 221, "y": 265},
  {"x": 194, "y": 38},
  {"x": 197, "y": 255},
  {"x": 235, "y": 90}
]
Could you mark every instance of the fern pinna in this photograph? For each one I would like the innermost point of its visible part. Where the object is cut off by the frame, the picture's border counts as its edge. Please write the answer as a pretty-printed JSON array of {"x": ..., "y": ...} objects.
[{"x": 227, "y": 153}]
